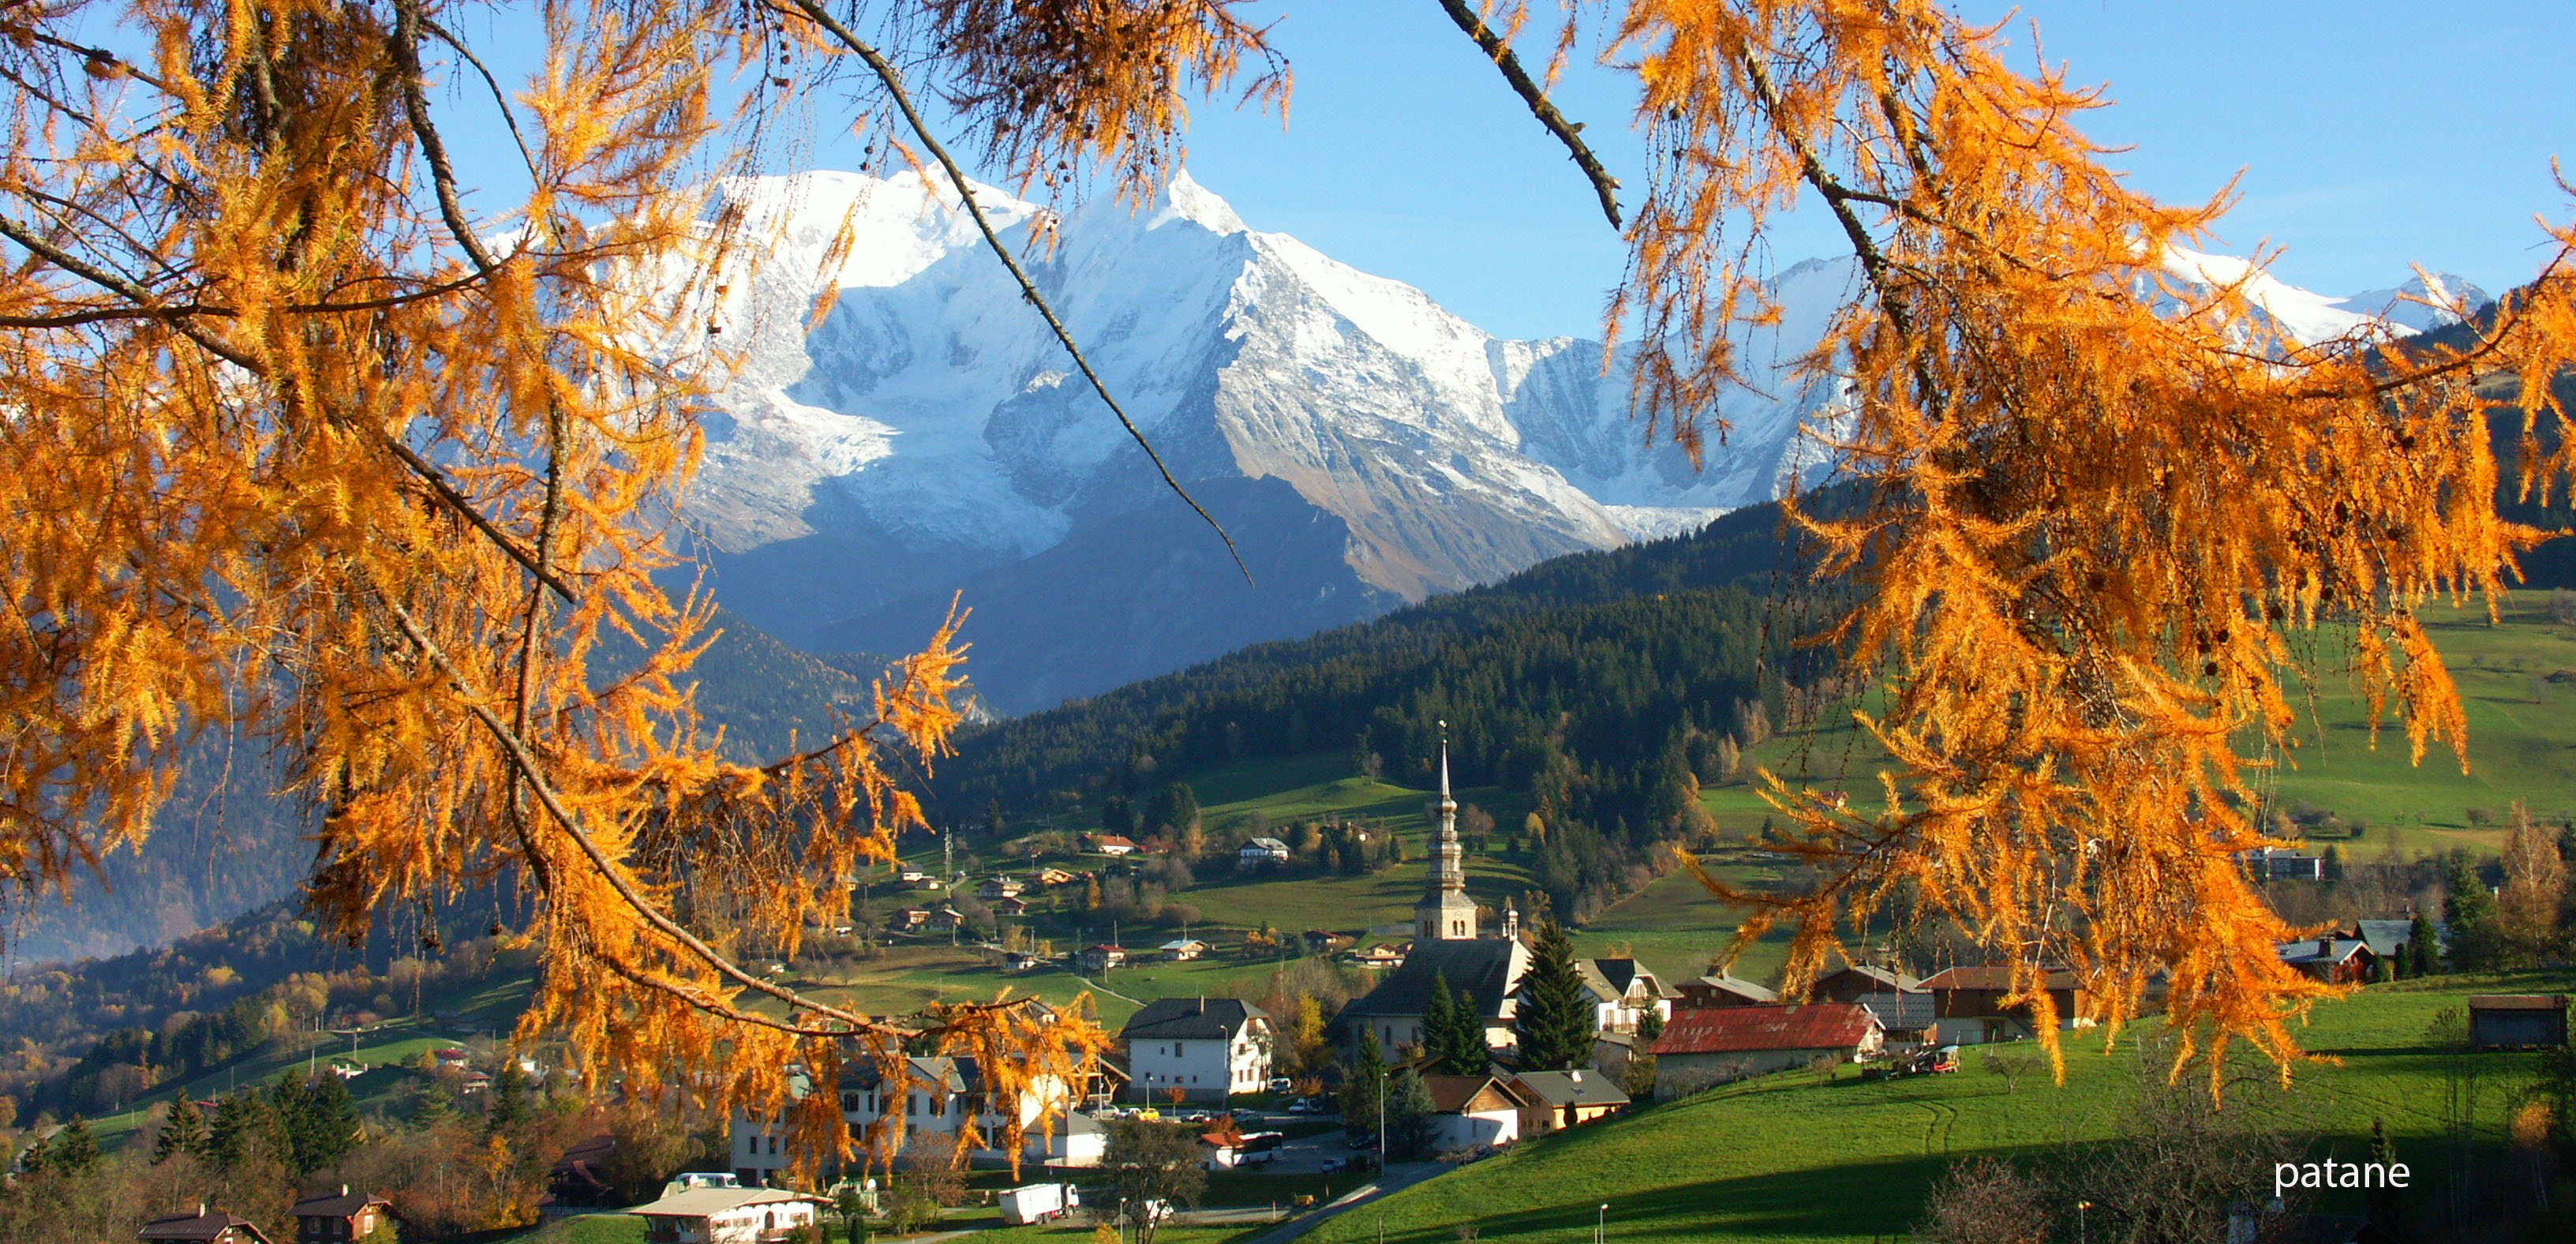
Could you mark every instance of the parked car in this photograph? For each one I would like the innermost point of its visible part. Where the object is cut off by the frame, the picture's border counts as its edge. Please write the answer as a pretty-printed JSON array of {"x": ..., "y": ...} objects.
[
  {"x": 1361, "y": 1140},
  {"x": 1281, "y": 1084},
  {"x": 1305, "y": 1106}
]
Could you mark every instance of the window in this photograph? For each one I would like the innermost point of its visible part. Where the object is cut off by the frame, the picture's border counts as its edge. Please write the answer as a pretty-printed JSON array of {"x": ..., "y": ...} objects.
[
  {"x": 938, "y": 1106},
  {"x": 1176, "y": 1049},
  {"x": 773, "y": 1144}
]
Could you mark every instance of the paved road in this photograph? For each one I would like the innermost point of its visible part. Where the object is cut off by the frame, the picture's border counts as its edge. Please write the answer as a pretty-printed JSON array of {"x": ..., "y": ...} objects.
[{"x": 1399, "y": 1177}]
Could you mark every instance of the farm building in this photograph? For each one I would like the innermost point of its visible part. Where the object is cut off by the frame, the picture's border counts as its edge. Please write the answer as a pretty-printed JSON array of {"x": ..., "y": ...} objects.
[
  {"x": 1566, "y": 1098},
  {"x": 1907, "y": 1017},
  {"x": 2518, "y": 1021},
  {"x": 2335, "y": 960},
  {"x": 206, "y": 1226},
  {"x": 1969, "y": 1002},
  {"x": 1850, "y": 983},
  {"x": 727, "y": 1215},
  {"x": 1467, "y": 1111},
  {"x": 1722, "y": 989},
  {"x": 1261, "y": 853},
  {"x": 1715, "y": 1045}
]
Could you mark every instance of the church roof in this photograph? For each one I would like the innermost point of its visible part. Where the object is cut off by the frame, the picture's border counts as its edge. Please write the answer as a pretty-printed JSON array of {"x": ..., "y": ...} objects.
[{"x": 1485, "y": 967}]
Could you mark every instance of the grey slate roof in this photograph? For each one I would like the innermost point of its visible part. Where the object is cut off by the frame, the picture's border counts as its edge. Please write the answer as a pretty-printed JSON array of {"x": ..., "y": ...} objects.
[
  {"x": 2385, "y": 937},
  {"x": 1573, "y": 1088},
  {"x": 1481, "y": 967},
  {"x": 1738, "y": 986},
  {"x": 1202, "y": 1018},
  {"x": 1901, "y": 1012}
]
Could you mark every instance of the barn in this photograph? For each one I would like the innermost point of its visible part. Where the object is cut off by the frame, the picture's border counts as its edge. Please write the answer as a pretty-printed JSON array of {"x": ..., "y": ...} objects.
[{"x": 2518, "y": 1021}]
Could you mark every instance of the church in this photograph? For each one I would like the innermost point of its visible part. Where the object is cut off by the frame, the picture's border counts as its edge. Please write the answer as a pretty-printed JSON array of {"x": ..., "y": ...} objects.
[{"x": 1447, "y": 944}]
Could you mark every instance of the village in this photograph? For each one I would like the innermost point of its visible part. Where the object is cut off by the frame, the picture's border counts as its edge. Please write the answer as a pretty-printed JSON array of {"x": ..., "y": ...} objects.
[{"x": 1473, "y": 1037}]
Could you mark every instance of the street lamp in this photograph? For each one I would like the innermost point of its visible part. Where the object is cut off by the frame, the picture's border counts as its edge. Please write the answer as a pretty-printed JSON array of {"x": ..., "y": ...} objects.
[{"x": 1599, "y": 1220}]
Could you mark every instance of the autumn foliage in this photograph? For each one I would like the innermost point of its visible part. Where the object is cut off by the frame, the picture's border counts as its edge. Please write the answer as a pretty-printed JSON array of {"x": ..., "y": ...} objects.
[{"x": 296, "y": 445}]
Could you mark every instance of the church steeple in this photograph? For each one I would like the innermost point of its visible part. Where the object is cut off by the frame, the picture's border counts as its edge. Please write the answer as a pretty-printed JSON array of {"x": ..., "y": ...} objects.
[{"x": 1445, "y": 912}]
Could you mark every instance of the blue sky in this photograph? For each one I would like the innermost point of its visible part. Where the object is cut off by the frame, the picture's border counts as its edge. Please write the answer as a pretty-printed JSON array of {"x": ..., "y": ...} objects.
[{"x": 2370, "y": 135}]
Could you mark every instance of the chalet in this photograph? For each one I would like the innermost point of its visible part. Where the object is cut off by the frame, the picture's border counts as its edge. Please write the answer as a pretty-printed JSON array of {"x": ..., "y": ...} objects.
[
  {"x": 947, "y": 917},
  {"x": 1261, "y": 853},
  {"x": 578, "y": 1179},
  {"x": 1110, "y": 844},
  {"x": 1622, "y": 992},
  {"x": 933, "y": 1097},
  {"x": 729, "y": 1216},
  {"x": 2282, "y": 864},
  {"x": 1560, "y": 1099},
  {"x": 1467, "y": 1111},
  {"x": 914, "y": 876},
  {"x": 1098, "y": 959},
  {"x": 1049, "y": 878},
  {"x": 1969, "y": 1004},
  {"x": 1208, "y": 1048},
  {"x": 906, "y": 919},
  {"x": 206, "y": 1226},
  {"x": 1716, "y": 1045},
  {"x": 2334, "y": 960},
  {"x": 1019, "y": 961},
  {"x": 452, "y": 1056},
  {"x": 1382, "y": 955},
  {"x": 1721, "y": 989},
  {"x": 1907, "y": 1018},
  {"x": 473, "y": 1082},
  {"x": 1010, "y": 905},
  {"x": 339, "y": 1219},
  {"x": 994, "y": 888},
  {"x": 2518, "y": 1021},
  {"x": 1850, "y": 983},
  {"x": 1446, "y": 947},
  {"x": 1326, "y": 941},
  {"x": 1182, "y": 950}
]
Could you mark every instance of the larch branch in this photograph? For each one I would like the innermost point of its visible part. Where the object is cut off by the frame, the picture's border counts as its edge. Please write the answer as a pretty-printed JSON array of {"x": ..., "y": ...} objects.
[{"x": 1567, "y": 132}]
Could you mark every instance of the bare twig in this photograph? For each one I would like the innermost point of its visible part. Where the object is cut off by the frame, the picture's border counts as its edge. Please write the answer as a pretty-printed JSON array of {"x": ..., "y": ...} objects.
[
  {"x": 893, "y": 81},
  {"x": 1568, "y": 132},
  {"x": 405, "y": 47}
]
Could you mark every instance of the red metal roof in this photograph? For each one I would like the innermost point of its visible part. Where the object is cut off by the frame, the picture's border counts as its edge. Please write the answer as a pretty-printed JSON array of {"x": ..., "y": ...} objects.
[{"x": 1745, "y": 1029}]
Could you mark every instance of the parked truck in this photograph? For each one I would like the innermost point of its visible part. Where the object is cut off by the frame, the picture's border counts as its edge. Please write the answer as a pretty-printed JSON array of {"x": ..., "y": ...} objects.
[{"x": 1038, "y": 1203}]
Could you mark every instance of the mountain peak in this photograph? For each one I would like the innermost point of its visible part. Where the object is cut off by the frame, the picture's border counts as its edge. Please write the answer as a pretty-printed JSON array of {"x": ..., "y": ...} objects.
[{"x": 1185, "y": 199}]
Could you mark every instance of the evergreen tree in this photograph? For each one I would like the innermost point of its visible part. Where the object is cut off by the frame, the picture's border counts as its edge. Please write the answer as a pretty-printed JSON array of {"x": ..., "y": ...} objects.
[
  {"x": 2330, "y": 866},
  {"x": 75, "y": 1151},
  {"x": 2423, "y": 949},
  {"x": 1468, "y": 1051},
  {"x": 327, "y": 1129},
  {"x": 1555, "y": 1019},
  {"x": 288, "y": 1101},
  {"x": 1409, "y": 1115},
  {"x": 244, "y": 1126},
  {"x": 1649, "y": 1026},
  {"x": 2385, "y": 1205},
  {"x": 1367, "y": 1079},
  {"x": 183, "y": 1130},
  {"x": 509, "y": 1109},
  {"x": 1439, "y": 1025}
]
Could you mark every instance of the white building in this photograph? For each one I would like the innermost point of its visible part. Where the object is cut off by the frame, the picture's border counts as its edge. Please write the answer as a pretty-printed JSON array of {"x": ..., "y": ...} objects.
[
  {"x": 726, "y": 1216},
  {"x": 1261, "y": 853},
  {"x": 932, "y": 1097},
  {"x": 1209, "y": 1048}
]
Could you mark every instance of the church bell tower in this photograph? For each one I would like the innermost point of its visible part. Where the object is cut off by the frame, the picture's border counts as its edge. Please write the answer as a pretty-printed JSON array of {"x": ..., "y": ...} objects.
[{"x": 1445, "y": 913}]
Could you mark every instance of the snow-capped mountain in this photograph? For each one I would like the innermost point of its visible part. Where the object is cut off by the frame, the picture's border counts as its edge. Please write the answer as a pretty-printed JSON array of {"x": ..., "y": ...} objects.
[{"x": 927, "y": 438}]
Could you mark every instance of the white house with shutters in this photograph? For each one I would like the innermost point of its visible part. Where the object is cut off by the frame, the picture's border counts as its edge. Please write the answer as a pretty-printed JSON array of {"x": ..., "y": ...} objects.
[{"x": 1208, "y": 1048}]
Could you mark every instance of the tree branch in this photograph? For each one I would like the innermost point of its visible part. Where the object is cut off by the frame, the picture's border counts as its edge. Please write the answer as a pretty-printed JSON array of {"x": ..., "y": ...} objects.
[
  {"x": 893, "y": 80},
  {"x": 1567, "y": 132},
  {"x": 405, "y": 46}
]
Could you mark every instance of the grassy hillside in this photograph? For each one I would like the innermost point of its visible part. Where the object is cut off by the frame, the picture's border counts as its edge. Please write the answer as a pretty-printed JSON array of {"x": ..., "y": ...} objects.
[{"x": 1787, "y": 1158}]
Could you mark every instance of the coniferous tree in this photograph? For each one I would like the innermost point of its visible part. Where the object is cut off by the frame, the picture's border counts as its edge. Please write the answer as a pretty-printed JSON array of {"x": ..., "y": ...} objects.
[
  {"x": 1468, "y": 1049},
  {"x": 1439, "y": 1023},
  {"x": 2423, "y": 949},
  {"x": 1409, "y": 1114},
  {"x": 1367, "y": 1080},
  {"x": 327, "y": 1128},
  {"x": 509, "y": 1109},
  {"x": 1555, "y": 1020},
  {"x": 183, "y": 1130},
  {"x": 75, "y": 1151}
]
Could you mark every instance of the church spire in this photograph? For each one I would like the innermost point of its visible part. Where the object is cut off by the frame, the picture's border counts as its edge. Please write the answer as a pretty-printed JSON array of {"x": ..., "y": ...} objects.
[{"x": 1445, "y": 912}]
